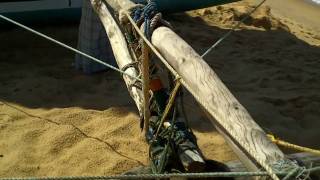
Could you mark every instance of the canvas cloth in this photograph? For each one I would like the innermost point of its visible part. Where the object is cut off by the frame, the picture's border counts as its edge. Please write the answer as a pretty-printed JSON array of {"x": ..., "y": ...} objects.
[{"x": 93, "y": 41}]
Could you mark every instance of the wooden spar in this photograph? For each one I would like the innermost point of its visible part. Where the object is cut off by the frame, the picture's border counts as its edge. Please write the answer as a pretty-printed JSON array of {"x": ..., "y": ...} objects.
[
  {"x": 191, "y": 160},
  {"x": 224, "y": 110},
  {"x": 121, "y": 51},
  {"x": 248, "y": 140}
]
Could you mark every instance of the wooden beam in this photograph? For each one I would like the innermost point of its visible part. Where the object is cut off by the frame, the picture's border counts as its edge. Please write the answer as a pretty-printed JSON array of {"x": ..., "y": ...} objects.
[
  {"x": 120, "y": 49},
  {"x": 223, "y": 108}
]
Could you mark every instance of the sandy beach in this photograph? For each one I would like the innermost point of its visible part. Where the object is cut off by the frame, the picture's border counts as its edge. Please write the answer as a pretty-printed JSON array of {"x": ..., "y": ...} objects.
[{"x": 56, "y": 121}]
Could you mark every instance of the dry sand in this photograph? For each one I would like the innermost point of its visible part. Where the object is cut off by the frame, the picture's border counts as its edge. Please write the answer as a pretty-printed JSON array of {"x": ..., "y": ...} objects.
[{"x": 56, "y": 121}]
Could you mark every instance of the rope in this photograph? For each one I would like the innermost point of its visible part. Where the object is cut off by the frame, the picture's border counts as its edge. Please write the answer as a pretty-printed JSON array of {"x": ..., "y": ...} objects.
[
  {"x": 232, "y": 133},
  {"x": 146, "y": 86},
  {"x": 292, "y": 146},
  {"x": 169, "y": 105},
  {"x": 162, "y": 176},
  {"x": 291, "y": 173},
  {"x": 232, "y": 30},
  {"x": 67, "y": 47},
  {"x": 145, "y": 14}
]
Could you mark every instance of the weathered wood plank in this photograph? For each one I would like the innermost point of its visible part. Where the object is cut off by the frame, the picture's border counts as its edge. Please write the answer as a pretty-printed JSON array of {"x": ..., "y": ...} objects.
[
  {"x": 224, "y": 109},
  {"x": 120, "y": 50}
]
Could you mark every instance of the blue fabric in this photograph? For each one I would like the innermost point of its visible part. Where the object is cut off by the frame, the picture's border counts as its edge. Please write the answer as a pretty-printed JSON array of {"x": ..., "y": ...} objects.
[{"x": 93, "y": 41}]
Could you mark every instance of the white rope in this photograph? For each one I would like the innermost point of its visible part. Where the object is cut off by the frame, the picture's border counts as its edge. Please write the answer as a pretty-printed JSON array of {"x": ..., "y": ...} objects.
[{"x": 67, "y": 47}]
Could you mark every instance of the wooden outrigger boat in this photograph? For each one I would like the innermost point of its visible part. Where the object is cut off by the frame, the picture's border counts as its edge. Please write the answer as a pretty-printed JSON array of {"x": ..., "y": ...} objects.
[{"x": 247, "y": 139}]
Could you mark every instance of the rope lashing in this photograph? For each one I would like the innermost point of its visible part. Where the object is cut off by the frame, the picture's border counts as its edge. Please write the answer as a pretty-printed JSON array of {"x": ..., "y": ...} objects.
[
  {"x": 128, "y": 75},
  {"x": 67, "y": 47},
  {"x": 293, "y": 168},
  {"x": 244, "y": 144},
  {"x": 146, "y": 14},
  {"x": 164, "y": 142},
  {"x": 292, "y": 146}
]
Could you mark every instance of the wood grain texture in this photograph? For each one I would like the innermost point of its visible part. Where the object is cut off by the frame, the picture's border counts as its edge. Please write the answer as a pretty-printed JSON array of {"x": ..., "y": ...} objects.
[
  {"x": 224, "y": 109},
  {"x": 120, "y": 49}
]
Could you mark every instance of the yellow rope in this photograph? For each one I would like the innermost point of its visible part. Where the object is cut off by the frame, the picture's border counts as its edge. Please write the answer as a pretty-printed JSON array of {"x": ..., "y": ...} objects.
[
  {"x": 292, "y": 146},
  {"x": 170, "y": 104}
]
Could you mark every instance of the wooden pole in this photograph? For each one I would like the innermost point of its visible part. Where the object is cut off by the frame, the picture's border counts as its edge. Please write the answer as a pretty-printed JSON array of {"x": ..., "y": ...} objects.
[
  {"x": 224, "y": 110},
  {"x": 121, "y": 51}
]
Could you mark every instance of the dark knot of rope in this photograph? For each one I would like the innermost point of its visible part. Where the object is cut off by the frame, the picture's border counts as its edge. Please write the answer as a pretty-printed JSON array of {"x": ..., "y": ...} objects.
[{"x": 145, "y": 15}]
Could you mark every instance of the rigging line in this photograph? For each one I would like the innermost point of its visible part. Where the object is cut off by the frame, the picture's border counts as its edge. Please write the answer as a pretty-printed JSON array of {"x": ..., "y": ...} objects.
[
  {"x": 232, "y": 30},
  {"x": 161, "y": 176},
  {"x": 68, "y": 47}
]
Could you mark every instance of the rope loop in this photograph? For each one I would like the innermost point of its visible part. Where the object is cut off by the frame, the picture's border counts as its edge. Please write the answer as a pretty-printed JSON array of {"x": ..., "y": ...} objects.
[{"x": 145, "y": 15}]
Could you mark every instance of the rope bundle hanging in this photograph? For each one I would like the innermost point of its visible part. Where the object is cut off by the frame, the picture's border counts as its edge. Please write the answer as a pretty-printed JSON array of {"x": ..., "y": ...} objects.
[{"x": 167, "y": 137}]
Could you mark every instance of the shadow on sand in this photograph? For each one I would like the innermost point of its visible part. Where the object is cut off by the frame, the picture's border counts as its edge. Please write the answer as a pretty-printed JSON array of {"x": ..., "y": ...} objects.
[{"x": 273, "y": 74}]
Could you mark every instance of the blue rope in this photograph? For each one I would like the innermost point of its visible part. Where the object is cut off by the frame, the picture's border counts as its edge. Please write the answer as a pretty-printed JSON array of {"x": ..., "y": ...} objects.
[{"x": 146, "y": 13}]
